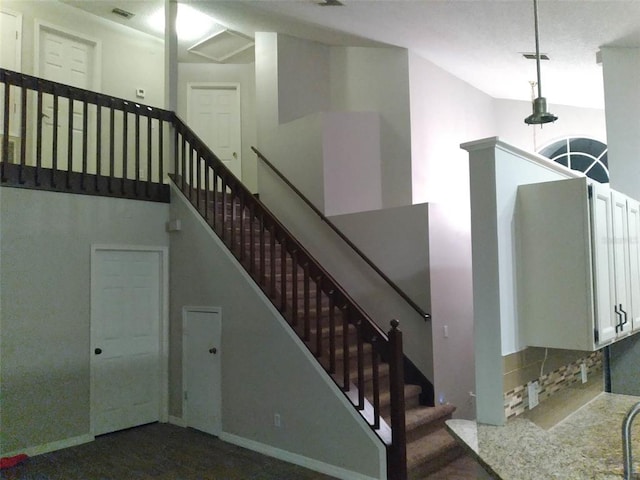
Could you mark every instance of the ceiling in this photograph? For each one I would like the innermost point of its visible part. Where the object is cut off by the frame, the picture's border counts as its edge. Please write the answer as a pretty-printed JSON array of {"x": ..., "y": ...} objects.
[{"x": 479, "y": 41}]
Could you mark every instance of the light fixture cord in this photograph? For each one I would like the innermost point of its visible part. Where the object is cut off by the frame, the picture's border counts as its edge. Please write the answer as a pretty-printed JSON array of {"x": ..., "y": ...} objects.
[{"x": 535, "y": 15}]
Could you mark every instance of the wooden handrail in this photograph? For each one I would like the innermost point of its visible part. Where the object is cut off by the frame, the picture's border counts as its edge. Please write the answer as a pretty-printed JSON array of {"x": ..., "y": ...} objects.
[{"x": 426, "y": 316}]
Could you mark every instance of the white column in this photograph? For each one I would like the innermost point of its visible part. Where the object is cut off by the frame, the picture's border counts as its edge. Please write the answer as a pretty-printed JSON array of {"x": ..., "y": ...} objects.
[
  {"x": 621, "y": 71},
  {"x": 170, "y": 55}
]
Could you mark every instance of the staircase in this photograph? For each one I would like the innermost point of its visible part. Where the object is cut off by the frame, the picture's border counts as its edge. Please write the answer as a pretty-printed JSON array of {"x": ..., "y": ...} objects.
[
  {"x": 367, "y": 364},
  {"x": 303, "y": 293}
]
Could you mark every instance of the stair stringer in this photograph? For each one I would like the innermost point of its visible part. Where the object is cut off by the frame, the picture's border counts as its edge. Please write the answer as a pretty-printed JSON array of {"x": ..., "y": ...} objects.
[{"x": 266, "y": 368}]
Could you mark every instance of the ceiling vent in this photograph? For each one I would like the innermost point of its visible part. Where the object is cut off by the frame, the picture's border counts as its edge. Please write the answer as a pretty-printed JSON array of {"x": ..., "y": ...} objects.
[
  {"x": 222, "y": 46},
  {"x": 330, "y": 3},
  {"x": 532, "y": 56},
  {"x": 123, "y": 13}
]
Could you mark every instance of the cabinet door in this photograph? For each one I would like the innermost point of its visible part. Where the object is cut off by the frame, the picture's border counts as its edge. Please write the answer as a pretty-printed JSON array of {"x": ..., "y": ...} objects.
[
  {"x": 622, "y": 261},
  {"x": 634, "y": 261},
  {"x": 603, "y": 263}
]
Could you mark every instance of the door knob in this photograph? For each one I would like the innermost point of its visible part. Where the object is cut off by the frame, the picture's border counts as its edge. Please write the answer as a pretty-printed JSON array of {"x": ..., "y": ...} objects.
[
  {"x": 97, "y": 351},
  {"x": 213, "y": 350}
]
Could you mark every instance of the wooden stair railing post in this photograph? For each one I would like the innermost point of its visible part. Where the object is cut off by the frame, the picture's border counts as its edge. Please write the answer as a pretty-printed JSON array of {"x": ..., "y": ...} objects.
[
  {"x": 397, "y": 461},
  {"x": 5, "y": 132}
]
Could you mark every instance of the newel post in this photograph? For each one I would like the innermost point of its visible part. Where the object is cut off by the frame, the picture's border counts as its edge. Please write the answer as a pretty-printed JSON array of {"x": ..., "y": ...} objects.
[{"x": 397, "y": 461}]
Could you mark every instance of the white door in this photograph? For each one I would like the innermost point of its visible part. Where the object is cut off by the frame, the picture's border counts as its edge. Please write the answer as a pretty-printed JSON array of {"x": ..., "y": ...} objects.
[
  {"x": 10, "y": 38},
  {"x": 126, "y": 312},
  {"x": 603, "y": 263},
  {"x": 214, "y": 115},
  {"x": 201, "y": 361},
  {"x": 69, "y": 60}
]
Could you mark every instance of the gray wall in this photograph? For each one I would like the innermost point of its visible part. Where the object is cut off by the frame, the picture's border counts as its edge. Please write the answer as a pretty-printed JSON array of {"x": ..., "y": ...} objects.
[
  {"x": 265, "y": 369},
  {"x": 625, "y": 366},
  {"x": 45, "y": 276},
  {"x": 397, "y": 241}
]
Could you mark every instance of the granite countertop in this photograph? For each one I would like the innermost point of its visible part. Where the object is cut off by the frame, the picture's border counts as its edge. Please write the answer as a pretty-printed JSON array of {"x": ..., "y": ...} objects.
[{"x": 586, "y": 445}]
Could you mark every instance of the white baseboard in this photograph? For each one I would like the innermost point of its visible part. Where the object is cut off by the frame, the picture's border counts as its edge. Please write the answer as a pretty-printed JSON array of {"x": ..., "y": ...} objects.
[
  {"x": 51, "y": 447},
  {"x": 177, "y": 421},
  {"x": 294, "y": 458}
]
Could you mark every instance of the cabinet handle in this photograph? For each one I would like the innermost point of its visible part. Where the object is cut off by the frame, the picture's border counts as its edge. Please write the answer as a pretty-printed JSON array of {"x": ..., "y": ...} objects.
[
  {"x": 622, "y": 323},
  {"x": 619, "y": 315}
]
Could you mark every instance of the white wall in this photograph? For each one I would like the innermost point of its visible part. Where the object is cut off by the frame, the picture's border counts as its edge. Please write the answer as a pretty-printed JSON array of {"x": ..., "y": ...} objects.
[
  {"x": 266, "y": 369},
  {"x": 621, "y": 68},
  {"x": 351, "y": 162},
  {"x": 302, "y": 78},
  {"x": 377, "y": 80},
  {"x": 216, "y": 73},
  {"x": 294, "y": 147},
  {"x": 130, "y": 59},
  {"x": 444, "y": 113},
  {"x": 45, "y": 272},
  {"x": 297, "y": 80}
]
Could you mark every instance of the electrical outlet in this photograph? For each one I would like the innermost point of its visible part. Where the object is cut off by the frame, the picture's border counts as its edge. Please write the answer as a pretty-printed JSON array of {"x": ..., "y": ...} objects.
[
  {"x": 445, "y": 331},
  {"x": 276, "y": 420},
  {"x": 532, "y": 390},
  {"x": 583, "y": 372}
]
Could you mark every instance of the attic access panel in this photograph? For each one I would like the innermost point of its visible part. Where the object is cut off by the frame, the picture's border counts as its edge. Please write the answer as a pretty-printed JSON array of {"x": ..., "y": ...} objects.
[{"x": 222, "y": 45}]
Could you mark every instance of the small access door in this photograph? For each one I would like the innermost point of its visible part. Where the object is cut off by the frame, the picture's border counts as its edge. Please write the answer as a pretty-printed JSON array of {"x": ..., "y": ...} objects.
[{"x": 201, "y": 361}]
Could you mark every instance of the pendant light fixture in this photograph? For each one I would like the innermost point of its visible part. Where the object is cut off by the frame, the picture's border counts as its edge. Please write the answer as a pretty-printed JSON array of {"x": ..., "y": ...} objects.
[{"x": 540, "y": 114}]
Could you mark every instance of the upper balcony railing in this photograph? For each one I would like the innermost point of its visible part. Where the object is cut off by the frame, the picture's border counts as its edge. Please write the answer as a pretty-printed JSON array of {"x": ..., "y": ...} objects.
[{"x": 58, "y": 137}]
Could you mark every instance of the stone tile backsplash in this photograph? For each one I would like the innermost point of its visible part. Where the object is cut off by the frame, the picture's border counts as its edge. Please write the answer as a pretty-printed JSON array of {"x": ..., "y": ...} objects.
[{"x": 516, "y": 400}]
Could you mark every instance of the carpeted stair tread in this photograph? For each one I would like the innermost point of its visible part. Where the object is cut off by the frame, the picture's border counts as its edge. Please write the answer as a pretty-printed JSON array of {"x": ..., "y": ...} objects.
[
  {"x": 419, "y": 416},
  {"x": 409, "y": 391},
  {"x": 429, "y": 447}
]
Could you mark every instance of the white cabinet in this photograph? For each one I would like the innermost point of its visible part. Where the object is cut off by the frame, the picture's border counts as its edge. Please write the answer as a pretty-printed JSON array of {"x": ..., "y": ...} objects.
[
  {"x": 633, "y": 209},
  {"x": 622, "y": 264},
  {"x": 578, "y": 262},
  {"x": 603, "y": 257}
]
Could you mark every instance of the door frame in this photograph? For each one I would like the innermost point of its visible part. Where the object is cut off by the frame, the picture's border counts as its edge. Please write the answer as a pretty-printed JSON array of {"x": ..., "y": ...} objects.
[
  {"x": 218, "y": 393},
  {"x": 164, "y": 322},
  {"x": 18, "y": 16},
  {"x": 96, "y": 73},
  {"x": 191, "y": 86},
  {"x": 15, "y": 110}
]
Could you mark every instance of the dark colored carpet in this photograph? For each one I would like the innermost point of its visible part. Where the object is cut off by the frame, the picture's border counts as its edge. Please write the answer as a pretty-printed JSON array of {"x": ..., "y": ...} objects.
[{"x": 157, "y": 452}]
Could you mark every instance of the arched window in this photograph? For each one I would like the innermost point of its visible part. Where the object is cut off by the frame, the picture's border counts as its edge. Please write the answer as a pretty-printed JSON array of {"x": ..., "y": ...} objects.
[{"x": 585, "y": 155}]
